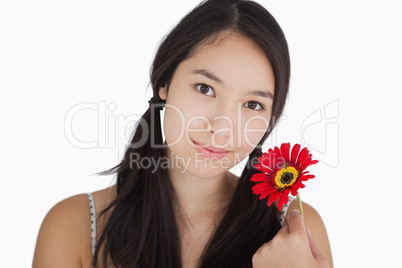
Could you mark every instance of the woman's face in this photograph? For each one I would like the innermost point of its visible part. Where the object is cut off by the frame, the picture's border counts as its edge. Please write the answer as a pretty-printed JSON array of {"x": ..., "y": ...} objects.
[{"x": 222, "y": 96}]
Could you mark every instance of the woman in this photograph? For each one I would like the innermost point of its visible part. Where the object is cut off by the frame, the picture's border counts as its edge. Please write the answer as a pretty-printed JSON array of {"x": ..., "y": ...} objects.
[{"x": 222, "y": 76}]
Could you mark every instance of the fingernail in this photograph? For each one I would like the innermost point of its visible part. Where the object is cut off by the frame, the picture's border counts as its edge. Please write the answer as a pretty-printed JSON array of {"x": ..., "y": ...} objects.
[{"x": 294, "y": 213}]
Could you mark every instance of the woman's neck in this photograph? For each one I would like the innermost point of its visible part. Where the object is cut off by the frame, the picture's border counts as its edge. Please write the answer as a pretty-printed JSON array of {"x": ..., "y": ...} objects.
[
  {"x": 201, "y": 200},
  {"x": 197, "y": 195}
]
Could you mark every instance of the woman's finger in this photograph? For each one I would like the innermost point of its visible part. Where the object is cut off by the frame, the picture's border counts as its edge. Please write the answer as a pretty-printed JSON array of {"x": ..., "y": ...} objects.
[
  {"x": 296, "y": 223},
  {"x": 283, "y": 230}
]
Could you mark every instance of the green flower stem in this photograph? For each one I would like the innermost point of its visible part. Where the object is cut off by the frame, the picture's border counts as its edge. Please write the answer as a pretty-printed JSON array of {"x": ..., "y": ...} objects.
[{"x": 299, "y": 203}]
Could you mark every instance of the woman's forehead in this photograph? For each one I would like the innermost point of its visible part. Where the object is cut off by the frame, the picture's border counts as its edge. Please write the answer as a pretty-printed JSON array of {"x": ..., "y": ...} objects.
[{"x": 234, "y": 59}]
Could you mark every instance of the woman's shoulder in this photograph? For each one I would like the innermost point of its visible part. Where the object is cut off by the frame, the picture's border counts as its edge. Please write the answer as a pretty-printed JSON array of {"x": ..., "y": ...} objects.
[
  {"x": 64, "y": 238},
  {"x": 102, "y": 198}
]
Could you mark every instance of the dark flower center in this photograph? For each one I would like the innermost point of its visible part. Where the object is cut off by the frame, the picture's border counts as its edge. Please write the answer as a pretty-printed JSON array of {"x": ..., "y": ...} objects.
[{"x": 287, "y": 177}]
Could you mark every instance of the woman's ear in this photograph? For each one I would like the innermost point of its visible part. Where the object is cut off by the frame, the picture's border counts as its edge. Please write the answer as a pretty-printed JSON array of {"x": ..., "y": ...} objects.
[{"x": 163, "y": 92}]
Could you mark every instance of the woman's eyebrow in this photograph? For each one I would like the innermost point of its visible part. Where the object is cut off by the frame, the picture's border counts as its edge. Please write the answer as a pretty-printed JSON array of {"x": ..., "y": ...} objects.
[
  {"x": 261, "y": 93},
  {"x": 207, "y": 74},
  {"x": 265, "y": 94}
]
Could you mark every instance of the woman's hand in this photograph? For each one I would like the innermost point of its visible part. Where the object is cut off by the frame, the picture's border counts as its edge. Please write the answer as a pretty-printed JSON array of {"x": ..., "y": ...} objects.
[{"x": 293, "y": 246}]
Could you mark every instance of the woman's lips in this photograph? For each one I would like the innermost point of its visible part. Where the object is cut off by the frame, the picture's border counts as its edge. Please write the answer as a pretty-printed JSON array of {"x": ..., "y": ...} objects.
[{"x": 210, "y": 151}]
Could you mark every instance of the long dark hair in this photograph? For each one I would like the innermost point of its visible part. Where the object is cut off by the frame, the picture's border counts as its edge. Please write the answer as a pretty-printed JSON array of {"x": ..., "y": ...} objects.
[{"x": 141, "y": 230}]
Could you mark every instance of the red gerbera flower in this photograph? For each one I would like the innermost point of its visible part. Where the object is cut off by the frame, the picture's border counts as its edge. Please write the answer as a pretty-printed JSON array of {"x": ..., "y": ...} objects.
[{"x": 284, "y": 172}]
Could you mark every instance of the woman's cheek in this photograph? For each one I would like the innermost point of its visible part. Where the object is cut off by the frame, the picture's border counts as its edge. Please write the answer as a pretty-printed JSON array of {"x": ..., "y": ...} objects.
[
  {"x": 173, "y": 125},
  {"x": 254, "y": 129},
  {"x": 180, "y": 122}
]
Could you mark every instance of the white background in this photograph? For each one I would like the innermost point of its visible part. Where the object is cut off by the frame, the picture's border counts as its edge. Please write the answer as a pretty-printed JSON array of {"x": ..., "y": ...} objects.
[{"x": 55, "y": 55}]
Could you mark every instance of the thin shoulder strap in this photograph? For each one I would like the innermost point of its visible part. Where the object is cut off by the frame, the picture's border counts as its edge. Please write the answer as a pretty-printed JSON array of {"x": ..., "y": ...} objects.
[
  {"x": 93, "y": 221},
  {"x": 285, "y": 209}
]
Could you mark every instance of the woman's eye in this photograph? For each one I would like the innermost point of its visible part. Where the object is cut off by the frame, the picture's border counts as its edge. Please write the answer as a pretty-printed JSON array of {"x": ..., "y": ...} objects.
[
  {"x": 205, "y": 89},
  {"x": 253, "y": 105}
]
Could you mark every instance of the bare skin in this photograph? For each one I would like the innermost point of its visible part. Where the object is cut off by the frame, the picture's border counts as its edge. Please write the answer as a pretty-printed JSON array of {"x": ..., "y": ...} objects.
[{"x": 64, "y": 239}]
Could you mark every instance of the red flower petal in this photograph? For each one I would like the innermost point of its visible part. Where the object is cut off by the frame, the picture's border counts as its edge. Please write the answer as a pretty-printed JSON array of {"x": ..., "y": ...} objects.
[
  {"x": 257, "y": 177},
  {"x": 260, "y": 188},
  {"x": 307, "y": 163},
  {"x": 285, "y": 147},
  {"x": 294, "y": 190},
  {"x": 303, "y": 156},
  {"x": 297, "y": 186},
  {"x": 272, "y": 197},
  {"x": 278, "y": 160},
  {"x": 277, "y": 151},
  {"x": 263, "y": 168},
  {"x": 306, "y": 177},
  {"x": 267, "y": 160},
  {"x": 283, "y": 199},
  {"x": 295, "y": 151},
  {"x": 265, "y": 194}
]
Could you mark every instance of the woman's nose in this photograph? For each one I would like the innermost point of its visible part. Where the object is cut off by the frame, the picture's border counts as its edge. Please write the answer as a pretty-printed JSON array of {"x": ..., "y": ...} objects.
[{"x": 224, "y": 123}]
